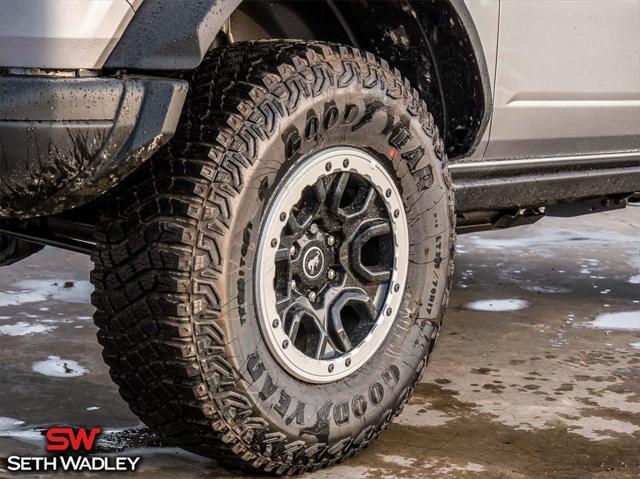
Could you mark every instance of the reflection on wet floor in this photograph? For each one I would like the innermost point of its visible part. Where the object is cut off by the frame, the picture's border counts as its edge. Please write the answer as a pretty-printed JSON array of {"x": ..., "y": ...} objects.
[
  {"x": 57, "y": 367},
  {"x": 497, "y": 305},
  {"x": 620, "y": 321},
  {"x": 537, "y": 373}
]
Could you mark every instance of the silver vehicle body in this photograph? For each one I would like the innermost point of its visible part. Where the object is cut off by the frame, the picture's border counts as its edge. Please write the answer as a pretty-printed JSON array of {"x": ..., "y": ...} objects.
[
  {"x": 61, "y": 34},
  {"x": 540, "y": 104},
  {"x": 565, "y": 73}
]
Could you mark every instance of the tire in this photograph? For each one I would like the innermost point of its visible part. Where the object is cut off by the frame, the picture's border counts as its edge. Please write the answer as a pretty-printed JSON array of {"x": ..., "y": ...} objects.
[
  {"x": 175, "y": 265},
  {"x": 13, "y": 250}
]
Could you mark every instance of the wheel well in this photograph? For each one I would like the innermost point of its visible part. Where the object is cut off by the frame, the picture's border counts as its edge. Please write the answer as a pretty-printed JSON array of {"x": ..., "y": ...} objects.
[{"x": 433, "y": 44}]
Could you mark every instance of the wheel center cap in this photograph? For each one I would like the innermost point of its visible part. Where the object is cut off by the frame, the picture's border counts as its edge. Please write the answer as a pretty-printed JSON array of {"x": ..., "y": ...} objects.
[{"x": 313, "y": 262}]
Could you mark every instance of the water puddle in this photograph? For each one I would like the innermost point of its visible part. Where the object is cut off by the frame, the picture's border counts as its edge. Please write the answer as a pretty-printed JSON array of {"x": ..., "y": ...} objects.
[
  {"x": 453, "y": 468},
  {"x": 398, "y": 460},
  {"x": 57, "y": 367},
  {"x": 37, "y": 290},
  {"x": 24, "y": 329},
  {"x": 422, "y": 415},
  {"x": 549, "y": 237},
  {"x": 7, "y": 423},
  {"x": 27, "y": 436},
  {"x": 600, "y": 429},
  {"x": 621, "y": 321},
  {"x": 15, "y": 298},
  {"x": 542, "y": 289},
  {"x": 497, "y": 305}
]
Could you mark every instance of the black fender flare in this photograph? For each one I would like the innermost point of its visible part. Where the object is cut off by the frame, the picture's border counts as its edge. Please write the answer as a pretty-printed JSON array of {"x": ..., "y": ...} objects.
[
  {"x": 170, "y": 34},
  {"x": 483, "y": 70}
]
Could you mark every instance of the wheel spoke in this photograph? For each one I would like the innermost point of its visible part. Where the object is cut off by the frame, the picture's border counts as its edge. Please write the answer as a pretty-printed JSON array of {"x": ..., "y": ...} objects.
[
  {"x": 370, "y": 210},
  {"x": 368, "y": 202},
  {"x": 322, "y": 347},
  {"x": 371, "y": 252},
  {"x": 282, "y": 254},
  {"x": 354, "y": 200},
  {"x": 340, "y": 335},
  {"x": 320, "y": 190},
  {"x": 284, "y": 304},
  {"x": 293, "y": 225},
  {"x": 337, "y": 191},
  {"x": 295, "y": 326},
  {"x": 350, "y": 306}
]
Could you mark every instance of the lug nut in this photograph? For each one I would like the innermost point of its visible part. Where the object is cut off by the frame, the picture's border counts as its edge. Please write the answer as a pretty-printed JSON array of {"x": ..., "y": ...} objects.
[
  {"x": 331, "y": 368},
  {"x": 313, "y": 229},
  {"x": 285, "y": 344},
  {"x": 389, "y": 311},
  {"x": 312, "y": 296},
  {"x": 396, "y": 288},
  {"x": 331, "y": 274},
  {"x": 292, "y": 251},
  {"x": 276, "y": 323},
  {"x": 347, "y": 363},
  {"x": 331, "y": 240},
  {"x": 274, "y": 243}
]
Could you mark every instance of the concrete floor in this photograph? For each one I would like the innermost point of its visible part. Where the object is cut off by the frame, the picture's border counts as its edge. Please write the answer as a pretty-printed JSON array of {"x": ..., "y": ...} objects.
[{"x": 537, "y": 373}]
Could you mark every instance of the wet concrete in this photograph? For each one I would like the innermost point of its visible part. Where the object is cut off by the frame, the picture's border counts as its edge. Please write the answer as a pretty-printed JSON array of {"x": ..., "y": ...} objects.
[{"x": 536, "y": 375}]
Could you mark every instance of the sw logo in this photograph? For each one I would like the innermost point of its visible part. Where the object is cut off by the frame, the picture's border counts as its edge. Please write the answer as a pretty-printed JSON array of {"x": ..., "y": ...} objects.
[
  {"x": 65, "y": 438},
  {"x": 69, "y": 446}
]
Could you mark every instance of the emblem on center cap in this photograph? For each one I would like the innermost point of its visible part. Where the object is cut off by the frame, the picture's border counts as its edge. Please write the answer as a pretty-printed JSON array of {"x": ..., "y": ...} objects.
[{"x": 313, "y": 262}]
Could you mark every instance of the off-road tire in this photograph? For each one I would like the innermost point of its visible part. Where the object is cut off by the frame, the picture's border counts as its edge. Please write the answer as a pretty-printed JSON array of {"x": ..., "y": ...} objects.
[
  {"x": 13, "y": 250},
  {"x": 176, "y": 248}
]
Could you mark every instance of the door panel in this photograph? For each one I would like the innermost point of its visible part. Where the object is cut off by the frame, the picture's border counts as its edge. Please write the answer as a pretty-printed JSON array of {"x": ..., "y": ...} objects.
[{"x": 568, "y": 78}]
